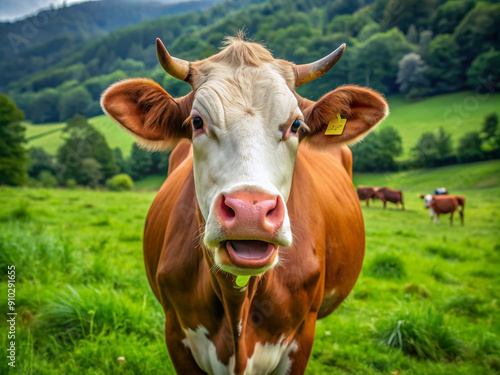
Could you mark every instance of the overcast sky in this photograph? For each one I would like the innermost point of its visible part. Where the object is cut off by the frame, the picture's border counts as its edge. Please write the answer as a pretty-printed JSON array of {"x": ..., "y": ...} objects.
[{"x": 15, "y": 9}]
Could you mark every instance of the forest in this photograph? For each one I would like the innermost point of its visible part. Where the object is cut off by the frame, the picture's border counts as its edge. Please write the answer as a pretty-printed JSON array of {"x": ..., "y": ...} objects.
[
  {"x": 414, "y": 50},
  {"x": 423, "y": 48}
]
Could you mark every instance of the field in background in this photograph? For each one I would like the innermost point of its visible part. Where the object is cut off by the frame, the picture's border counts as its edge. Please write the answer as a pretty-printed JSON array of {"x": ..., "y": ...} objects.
[
  {"x": 49, "y": 136},
  {"x": 83, "y": 299},
  {"x": 457, "y": 113}
]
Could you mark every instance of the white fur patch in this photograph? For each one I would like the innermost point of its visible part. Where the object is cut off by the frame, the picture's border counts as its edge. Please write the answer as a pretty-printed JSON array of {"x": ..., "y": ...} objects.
[{"x": 266, "y": 358}]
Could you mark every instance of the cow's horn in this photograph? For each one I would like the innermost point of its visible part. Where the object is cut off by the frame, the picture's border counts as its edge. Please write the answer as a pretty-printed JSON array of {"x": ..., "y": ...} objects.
[
  {"x": 177, "y": 68},
  {"x": 309, "y": 72}
]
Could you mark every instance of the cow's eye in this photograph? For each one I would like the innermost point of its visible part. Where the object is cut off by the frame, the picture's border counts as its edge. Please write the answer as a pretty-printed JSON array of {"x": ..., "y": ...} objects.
[
  {"x": 197, "y": 123},
  {"x": 295, "y": 126}
]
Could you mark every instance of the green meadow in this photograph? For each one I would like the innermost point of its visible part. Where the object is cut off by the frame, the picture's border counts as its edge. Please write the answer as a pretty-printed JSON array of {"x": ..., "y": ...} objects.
[
  {"x": 456, "y": 113},
  {"x": 426, "y": 302}
]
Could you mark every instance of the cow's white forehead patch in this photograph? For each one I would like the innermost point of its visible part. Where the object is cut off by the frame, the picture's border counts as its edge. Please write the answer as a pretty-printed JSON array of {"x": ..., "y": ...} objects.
[
  {"x": 266, "y": 358},
  {"x": 262, "y": 92}
]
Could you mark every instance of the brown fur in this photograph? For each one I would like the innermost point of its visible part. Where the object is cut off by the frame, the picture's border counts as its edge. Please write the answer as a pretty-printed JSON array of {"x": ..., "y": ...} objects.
[
  {"x": 448, "y": 204},
  {"x": 365, "y": 193},
  {"x": 316, "y": 273},
  {"x": 390, "y": 195},
  {"x": 362, "y": 107},
  {"x": 326, "y": 256}
]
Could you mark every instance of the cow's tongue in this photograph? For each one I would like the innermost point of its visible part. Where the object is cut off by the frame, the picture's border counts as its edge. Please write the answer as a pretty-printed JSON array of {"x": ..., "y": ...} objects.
[
  {"x": 250, "y": 249},
  {"x": 250, "y": 253}
]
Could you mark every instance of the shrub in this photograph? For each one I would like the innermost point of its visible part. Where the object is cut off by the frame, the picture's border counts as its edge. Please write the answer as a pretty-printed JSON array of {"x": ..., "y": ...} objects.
[
  {"x": 47, "y": 179},
  {"x": 71, "y": 183},
  {"x": 387, "y": 266},
  {"x": 120, "y": 182}
]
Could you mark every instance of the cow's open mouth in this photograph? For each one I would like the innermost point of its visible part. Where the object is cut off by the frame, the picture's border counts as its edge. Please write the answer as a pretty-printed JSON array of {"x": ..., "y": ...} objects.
[{"x": 250, "y": 253}]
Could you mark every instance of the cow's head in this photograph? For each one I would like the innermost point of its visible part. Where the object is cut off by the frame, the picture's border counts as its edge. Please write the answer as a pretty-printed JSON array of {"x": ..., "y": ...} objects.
[{"x": 245, "y": 121}]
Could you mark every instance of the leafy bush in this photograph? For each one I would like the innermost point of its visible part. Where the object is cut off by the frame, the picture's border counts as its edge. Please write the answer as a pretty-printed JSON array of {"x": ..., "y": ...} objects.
[
  {"x": 120, "y": 182},
  {"x": 47, "y": 179},
  {"x": 388, "y": 266},
  {"x": 71, "y": 183}
]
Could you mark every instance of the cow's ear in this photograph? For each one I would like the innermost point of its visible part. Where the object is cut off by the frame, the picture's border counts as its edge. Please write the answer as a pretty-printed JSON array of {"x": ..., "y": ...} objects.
[
  {"x": 147, "y": 111},
  {"x": 343, "y": 116}
]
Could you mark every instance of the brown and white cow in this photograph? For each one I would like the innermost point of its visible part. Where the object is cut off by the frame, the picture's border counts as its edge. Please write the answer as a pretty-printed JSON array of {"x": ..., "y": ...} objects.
[
  {"x": 365, "y": 193},
  {"x": 386, "y": 194},
  {"x": 444, "y": 204},
  {"x": 257, "y": 231}
]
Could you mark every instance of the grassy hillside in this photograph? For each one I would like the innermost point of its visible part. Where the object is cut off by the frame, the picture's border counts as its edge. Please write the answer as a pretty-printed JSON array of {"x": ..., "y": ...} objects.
[
  {"x": 410, "y": 120},
  {"x": 83, "y": 298},
  {"x": 49, "y": 136},
  {"x": 463, "y": 176},
  {"x": 456, "y": 113}
]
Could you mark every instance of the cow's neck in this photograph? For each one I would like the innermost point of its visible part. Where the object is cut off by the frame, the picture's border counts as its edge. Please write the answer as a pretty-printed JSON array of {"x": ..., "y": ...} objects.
[{"x": 236, "y": 301}]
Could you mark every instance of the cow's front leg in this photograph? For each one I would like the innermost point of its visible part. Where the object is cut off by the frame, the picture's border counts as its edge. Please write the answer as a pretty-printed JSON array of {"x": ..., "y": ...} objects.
[
  {"x": 180, "y": 355},
  {"x": 299, "y": 357}
]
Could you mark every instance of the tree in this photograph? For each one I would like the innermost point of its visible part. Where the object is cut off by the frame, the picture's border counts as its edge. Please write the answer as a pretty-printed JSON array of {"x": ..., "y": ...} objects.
[
  {"x": 443, "y": 144},
  {"x": 411, "y": 74},
  {"x": 75, "y": 101},
  {"x": 490, "y": 133},
  {"x": 90, "y": 172},
  {"x": 12, "y": 153},
  {"x": 403, "y": 13},
  {"x": 449, "y": 15},
  {"x": 44, "y": 107},
  {"x": 478, "y": 31},
  {"x": 120, "y": 161},
  {"x": 445, "y": 68},
  {"x": 377, "y": 151},
  {"x": 379, "y": 73},
  {"x": 425, "y": 151},
  {"x": 412, "y": 34},
  {"x": 39, "y": 161},
  {"x": 83, "y": 141},
  {"x": 140, "y": 162},
  {"x": 431, "y": 149},
  {"x": 391, "y": 141},
  {"x": 469, "y": 147},
  {"x": 490, "y": 125},
  {"x": 485, "y": 68}
]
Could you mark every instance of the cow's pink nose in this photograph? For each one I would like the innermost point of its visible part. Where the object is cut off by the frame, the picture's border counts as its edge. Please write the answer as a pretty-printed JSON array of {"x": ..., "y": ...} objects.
[{"x": 250, "y": 215}]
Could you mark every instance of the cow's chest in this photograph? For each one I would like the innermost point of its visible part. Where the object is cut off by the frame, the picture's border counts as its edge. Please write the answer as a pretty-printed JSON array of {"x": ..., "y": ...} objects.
[{"x": 266, "y": 358}]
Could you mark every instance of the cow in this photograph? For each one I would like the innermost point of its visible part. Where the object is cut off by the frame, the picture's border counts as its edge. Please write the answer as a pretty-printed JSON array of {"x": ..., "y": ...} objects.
[
  {"x": 365, "y": 193},
  {"x": 444, "y": 204},
  {"x": 389, "y": 195},
  {"x": 257, "y": 231}
]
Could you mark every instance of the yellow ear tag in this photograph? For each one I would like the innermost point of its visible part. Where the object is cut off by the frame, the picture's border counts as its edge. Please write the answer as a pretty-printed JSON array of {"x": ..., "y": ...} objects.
[
  {"x": 242, "y": 281},
  {"x": 336, "y": 126}
]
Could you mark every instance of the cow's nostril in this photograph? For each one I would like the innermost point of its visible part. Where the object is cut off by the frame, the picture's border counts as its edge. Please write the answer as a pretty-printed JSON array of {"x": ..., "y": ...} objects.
[{"x": 226, "y": 209}]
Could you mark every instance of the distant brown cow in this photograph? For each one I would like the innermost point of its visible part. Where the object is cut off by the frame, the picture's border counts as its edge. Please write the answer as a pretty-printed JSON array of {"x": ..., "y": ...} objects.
[
  {"x": 365, "y": 193},
  {"x": 444, "y": 204},
  {"x": 390, "y": 195}
]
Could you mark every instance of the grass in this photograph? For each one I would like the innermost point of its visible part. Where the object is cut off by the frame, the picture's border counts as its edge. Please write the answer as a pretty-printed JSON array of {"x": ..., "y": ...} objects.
[
  {"x": 49, "y": 138},
  {"x": 83, "y": 298},
  {"x": 457, "y": 113}
]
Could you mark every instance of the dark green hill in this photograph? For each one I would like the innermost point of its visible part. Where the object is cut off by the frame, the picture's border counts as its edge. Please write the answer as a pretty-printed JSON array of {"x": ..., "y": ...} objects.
[{"x": 42, "y": 40}]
